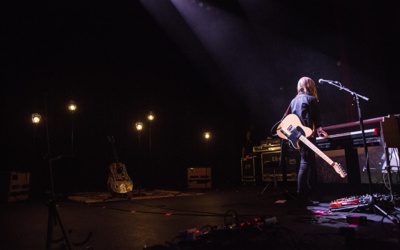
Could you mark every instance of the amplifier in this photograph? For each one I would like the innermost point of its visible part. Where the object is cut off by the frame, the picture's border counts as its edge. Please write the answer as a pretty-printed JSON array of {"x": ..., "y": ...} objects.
[
  {"x": 326, "y": 174},
  {"x": 378, "y": 166},
  {"x": 266, "y": 148},
  {"x": 199, "y": 177},
  {"x": 353, "y": 161},
  {"x": 270, "y": 169},
  {"x": 248, "y": 171},
  {"x": 278, "y": 176},
  {"x": 15, "y": 186}
]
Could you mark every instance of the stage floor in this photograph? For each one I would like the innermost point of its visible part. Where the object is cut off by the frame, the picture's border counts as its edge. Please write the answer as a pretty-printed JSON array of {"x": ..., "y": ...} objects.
[{"x": 151, "y": 223}]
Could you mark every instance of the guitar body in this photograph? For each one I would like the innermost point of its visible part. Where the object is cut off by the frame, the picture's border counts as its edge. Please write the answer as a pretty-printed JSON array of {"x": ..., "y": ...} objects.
[
  {"x": 292, "y": 121},
  {"x": 118, "y": 179},
  {"x": 293, "y": 130}
]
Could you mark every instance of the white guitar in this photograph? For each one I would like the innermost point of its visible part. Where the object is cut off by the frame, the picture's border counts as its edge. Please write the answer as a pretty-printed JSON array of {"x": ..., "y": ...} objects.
[{"x": 293, "y": 130}]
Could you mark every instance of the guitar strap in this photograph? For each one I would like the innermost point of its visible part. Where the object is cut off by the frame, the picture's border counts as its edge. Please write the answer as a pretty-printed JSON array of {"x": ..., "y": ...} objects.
[
  {"x": 276, "y": 124},
  {"x": 286, "y": 112}
]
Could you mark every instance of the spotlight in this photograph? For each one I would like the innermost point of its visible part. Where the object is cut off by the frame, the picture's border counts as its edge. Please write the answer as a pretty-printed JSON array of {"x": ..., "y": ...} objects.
[
  {"x": 207, "y": 135},
  {"x": 72, "y": 109},
  {"x": 139, "y": 126},
  {"x": 151, "y": 116},
  {"x": 72, "y": 106},
  {"x": 36, "y": 118}
]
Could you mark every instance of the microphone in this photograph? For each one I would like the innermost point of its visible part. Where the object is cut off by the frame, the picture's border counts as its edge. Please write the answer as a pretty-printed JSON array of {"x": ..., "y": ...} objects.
[{"x": 322, "y": 81}]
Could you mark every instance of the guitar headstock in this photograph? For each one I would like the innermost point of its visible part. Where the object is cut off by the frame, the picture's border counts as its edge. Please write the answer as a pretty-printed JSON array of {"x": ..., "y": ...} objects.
[{"x": 339, "y": 169}]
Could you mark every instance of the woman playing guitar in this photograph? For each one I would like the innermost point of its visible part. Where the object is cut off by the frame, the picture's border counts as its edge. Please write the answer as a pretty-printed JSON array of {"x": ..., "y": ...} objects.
[{"x": 305, "y": 106}]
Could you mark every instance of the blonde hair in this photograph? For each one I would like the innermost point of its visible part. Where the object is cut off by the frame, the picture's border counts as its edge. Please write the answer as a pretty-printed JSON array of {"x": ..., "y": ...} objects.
[{"x": 307, "y": 86}]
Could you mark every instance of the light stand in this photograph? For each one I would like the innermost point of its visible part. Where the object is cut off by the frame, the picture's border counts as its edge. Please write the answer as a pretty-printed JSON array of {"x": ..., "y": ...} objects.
[
  {"x": 152, "y": 181},
  {"x": 207, "y": 138},
  {"x": 139, "y": 127},
  {"x": 357, "y": 97},
  {"x": 150, "y": 118},
  {"x": 72, "y": 107}
]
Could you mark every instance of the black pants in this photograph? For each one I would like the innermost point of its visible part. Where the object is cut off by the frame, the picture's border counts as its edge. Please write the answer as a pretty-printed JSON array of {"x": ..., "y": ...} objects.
[{"x": 306, "y": 177}]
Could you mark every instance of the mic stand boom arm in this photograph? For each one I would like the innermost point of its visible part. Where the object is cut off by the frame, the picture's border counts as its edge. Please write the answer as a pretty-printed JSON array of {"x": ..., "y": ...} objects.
[
  {"x": 360, "y": 118},
  {"x": 341, "y": 87}
]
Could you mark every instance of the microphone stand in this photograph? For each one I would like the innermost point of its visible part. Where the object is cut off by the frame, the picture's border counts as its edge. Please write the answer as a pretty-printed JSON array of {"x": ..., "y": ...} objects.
[
  {"x": 357, "y": 97},
  {"x": 53, "y": 216}
]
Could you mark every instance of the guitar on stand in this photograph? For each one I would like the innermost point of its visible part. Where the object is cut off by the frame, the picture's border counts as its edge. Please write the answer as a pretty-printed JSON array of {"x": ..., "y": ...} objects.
[
  {"x": 293, "y": 130},
  {"x": 118, "y": 181}
]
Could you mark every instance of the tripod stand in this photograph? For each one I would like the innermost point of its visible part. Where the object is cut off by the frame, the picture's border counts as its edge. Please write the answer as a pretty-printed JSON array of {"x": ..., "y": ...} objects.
[
  {"x": 53, "y": 218},
  {"x": 372, "y": 202}
]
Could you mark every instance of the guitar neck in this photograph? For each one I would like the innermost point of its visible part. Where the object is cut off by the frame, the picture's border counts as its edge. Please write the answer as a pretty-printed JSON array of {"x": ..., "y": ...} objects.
[
  {"x": 316, "y": 150},
  {"x": 114, "y": 152}
]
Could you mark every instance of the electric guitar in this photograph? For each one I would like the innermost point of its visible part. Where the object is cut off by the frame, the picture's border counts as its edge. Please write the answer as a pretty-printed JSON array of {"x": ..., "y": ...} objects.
[
  {"x": 293, "y": 130},
  {"x": 118, "y": 180}
]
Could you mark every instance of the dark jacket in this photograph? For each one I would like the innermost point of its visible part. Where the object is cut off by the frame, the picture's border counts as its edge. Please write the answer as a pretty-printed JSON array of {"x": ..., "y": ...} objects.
[{"x": 306, "y": 108}]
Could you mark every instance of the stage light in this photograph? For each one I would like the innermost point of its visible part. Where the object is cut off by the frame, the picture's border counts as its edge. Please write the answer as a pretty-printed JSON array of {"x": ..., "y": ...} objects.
[
  {"x": 207, "y": 136},
  {"x": 151, "y": 116},
  {"x": 139, "y": 126},
  {"x": 72, "y": 106},
  {"x": 36, "y": 118}
]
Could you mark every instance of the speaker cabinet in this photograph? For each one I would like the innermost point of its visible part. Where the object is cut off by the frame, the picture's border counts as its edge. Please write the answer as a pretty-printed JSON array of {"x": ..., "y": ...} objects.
[
  {"x": 353, "y": 161},
  {"x": 271, "y": 171},
  {"x": 15, "y": 186},
  {"x": 248, "y": 171},
  {"x": 325, "y": 173},
  {"x": 199, "y": 178},
  {"x": 377, "y": 164}
]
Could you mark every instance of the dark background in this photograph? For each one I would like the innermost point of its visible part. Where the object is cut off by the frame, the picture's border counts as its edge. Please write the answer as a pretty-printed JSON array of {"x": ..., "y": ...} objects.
[{"x": 224, "y": 66}]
